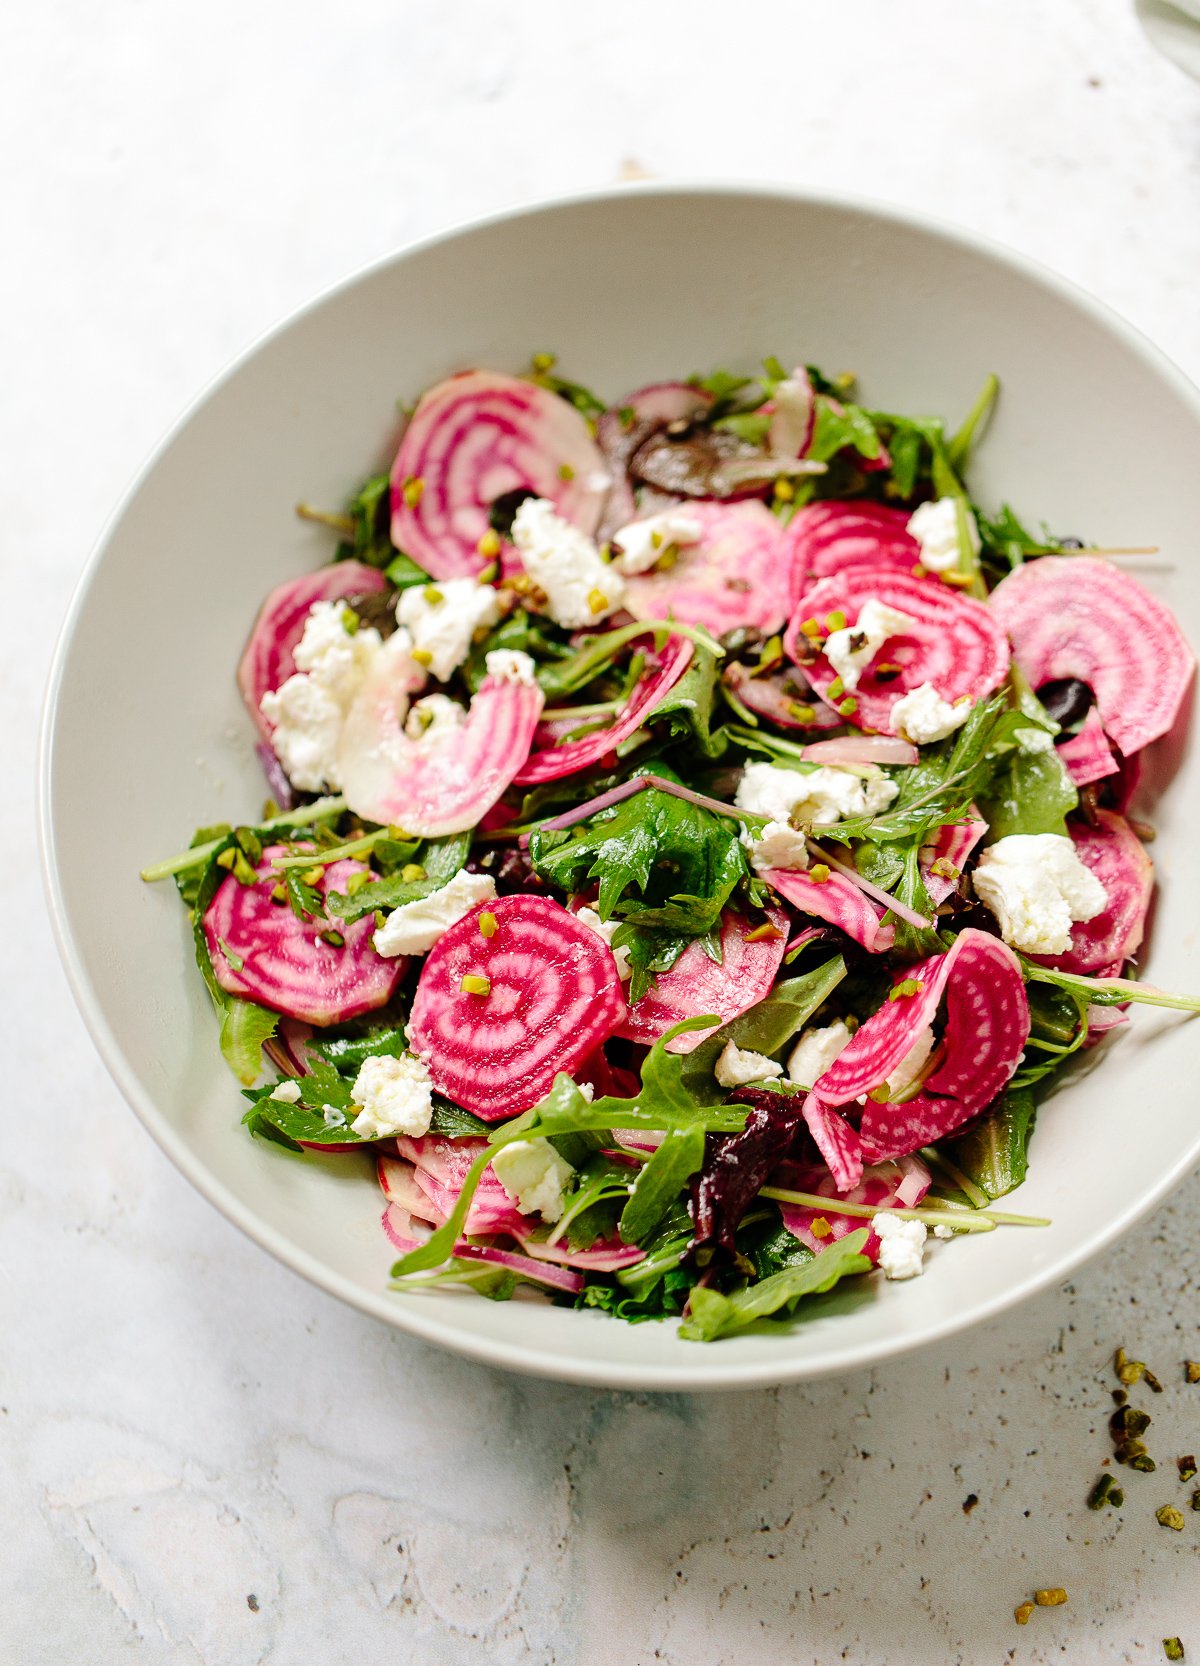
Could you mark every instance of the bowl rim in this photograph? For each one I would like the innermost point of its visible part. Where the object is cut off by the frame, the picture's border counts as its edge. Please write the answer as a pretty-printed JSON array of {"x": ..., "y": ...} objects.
[{"x": 710, "y": 1372}]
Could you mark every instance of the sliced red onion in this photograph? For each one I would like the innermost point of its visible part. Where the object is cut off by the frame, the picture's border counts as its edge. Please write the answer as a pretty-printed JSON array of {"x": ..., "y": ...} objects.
[
  {"x": 398, "y": 1225},
  {"x": 793, "y": 416},
  {"x": 637, "y": 784},
  {"x": 555, "y": 1278},
  {"x": 862, "y": 749},
  {"x": 605, "y": 1257}
]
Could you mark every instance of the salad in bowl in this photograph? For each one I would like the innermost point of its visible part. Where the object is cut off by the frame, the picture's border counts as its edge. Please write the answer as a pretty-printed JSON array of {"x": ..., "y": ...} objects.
[{"x": 699, "y": 840}]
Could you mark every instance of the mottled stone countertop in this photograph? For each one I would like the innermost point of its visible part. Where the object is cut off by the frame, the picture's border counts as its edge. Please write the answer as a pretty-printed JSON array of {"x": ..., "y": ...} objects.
[{"x": 203, "y": 1459}]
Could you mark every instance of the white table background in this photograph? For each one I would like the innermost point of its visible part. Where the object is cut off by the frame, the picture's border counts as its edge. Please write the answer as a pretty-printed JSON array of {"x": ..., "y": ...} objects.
[{"x": 185, "y": 1425}]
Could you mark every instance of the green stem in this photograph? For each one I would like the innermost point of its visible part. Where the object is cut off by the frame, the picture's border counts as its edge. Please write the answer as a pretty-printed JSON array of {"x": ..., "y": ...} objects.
[
  {"x": 338, "y": 853},
  {"x": 959, "y": 1217},
  {"x": 958, "y": 447},
  {"x": 199, "y": 854},
  {"x": 978, "y": 1197}
]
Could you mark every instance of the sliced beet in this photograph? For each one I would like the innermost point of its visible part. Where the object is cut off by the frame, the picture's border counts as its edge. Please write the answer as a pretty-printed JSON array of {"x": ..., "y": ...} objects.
[
  {"x": 782, "y": 697},
  {"x": 1080, "y": 617},
  {"x": 267, "y": 660},
  {"x": 955, "y": 642},
  {"x": 736, "y": 575},
  {"x": 901, "y": 1184},
  {"x": 696, "y": 984},
  {"x": 736, "y": 1166},
  {"x": 479, "y": 437},
  {"x": 553, "y": 762},
  {"x": 285, "y": 963},
  {"x": 440, "y": 1167},
  {"x": 1087, "y": 755},
  {"x": 432, "y": 785},
  {"x": 825, "y": 538},
  {"x": 1117, "y": 857},
  {"x": 552, "y": 996},
  {"x": 837, "y": 900},
  {"x": 837, "y": 1142},
  {"x": 629, "y": 424},
  {"x": 950, "y": 848},
  {"x": 793, "y": 413}
]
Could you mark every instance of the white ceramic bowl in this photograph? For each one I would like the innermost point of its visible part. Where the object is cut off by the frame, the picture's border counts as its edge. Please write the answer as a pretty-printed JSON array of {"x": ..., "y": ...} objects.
[{"x": 145, "y": 736}]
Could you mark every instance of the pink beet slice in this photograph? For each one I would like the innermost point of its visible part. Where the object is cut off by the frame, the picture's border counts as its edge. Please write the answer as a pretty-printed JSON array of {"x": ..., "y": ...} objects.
[
  {"x": 782, "y": 697},
  {"x": 737, "y": 575},
  {"x": 627, "y": 425},
  {"x": 553, "y": 996},
  {"x": 825, "y": 538},
  {"x": 836, "y": 1141},
  {"x": 553, "y": 762},
  {"x": 953, "y": 844},
  {"x": 898, "y": 1185},
  {"x": 473, "y": 439},
  {"x": 398, "y": 1183},
  {"x": 439, "y": 1171},
  {"x": 956, "y": 643},
  {"x": 428, "y": 786},
  {"x": 1117, "y": 857},
  {"x": 836, "y": 899},
  {"x": 1087, "y": 755},
  {"x": 696, "y": 984},
  {"x": 285, "y": 963},
  {"x": 1075, "y": 616},
  {"x": 267, "y": 661}
]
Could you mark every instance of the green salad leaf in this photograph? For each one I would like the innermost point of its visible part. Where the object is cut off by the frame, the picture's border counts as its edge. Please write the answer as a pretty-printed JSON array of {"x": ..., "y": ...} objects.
[
  {"x": 660, "y": 1181},
  {"x": 441, "y": 859},
  {"x": 765, "y": 1028},
  {"x": 710, "y": 1314},
  {"x": 994, "y": 1152}
]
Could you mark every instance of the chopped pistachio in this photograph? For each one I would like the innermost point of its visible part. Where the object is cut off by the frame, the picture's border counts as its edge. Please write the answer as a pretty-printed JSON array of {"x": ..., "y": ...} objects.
[
  {"x": 1191, "y": 1370},
  {"x": 626, "y": 415},
  {"x": 489, "y": 925},
  {"x": 423, "y": 657},
  {"x": 848, "y": 706},
  {"x": 250, "y": 844},
  {"x": 313, "y": 875},
  {"x": 906, "y": 986},
  {"x": 1173, "y": 1648},
  {"x": 1196, "y": 1500},
  {"x": 818, "y": 873},
  {"x": 881, "y": 1094},
  {"x": 835, "y": 621},
  {"x": 489, "y": 545},
  {"x": 542, "y": 362},
  {"x": 279, "y": 894},
  {"x": 762, "y": 934},
  {"x": 810, "y": 627},
  {"x": 565, "y": 471},
  {"x": 820, "y": 1228},
  {"x": 411, "y": 872},
  {"x": 1186, "y": 1466},
  {"x": 227, "y": 858},
  {"x": 1129, "y": 1421},
  {"x": 412, "y": 489},
  {"x": 784, "y": 491},
  {"x": 1099, "y": 1495},
  {"x": 1129, "y": 1371},
  {"x": 433, "y": 595},
  {"x": 1116, "y": 1498},
  {"x": 1052, "y": 1596},
  {"x": 356, "y": 882},
  {"x": 1168, "y": 1516},
  {"x": 835, "y": 690},
  {"x": 475, "y": 985},
  {"x": 1151, "y": 1381},
  {"x": 802, "y": 714},
  {"x": 1022, "y": 1613},
  {"x": 333, "y": 938},
  {"x": 490, "y": 572},
  {"x": 380, "y": 917},
  {"x": 1143, "y": 1464}
]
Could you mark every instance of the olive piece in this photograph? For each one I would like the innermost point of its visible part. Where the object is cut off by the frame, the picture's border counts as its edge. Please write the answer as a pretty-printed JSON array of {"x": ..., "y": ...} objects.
[{"x": 1066, "y": 700}]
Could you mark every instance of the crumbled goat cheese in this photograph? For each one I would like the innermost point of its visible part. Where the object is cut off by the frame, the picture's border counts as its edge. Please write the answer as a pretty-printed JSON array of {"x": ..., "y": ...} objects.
[
  {"x": 443, "y": 619},
  {"x": 511, "y": 665},
  {"x": 935, "y": 527},
  {"x": 739, "y": 1065},
  {"x": 638, "y": 546},
  {"x": 1037, "y": 887},
  {"x": 815, "y": 1051},
  {"x": 851, "y": 649},
  {"x": 333, "y": 1116},
  {"x": 288, "y": 1093},
  {"x": 813, "y": 798},
  {"x": 306, "y": 711},
  {"x": 922, "y": 715},
  {"x": 415, "y": 927},
  {"x": 534, "y": 1176},
  {"x": 580, "y": 587},
  {"x": 779, "y": 845},
  {"x": 607, "y": 930},
  {"x": 394, "y": 1096},
  {"x": 434, "y": 720},
  {"x": 943, "y": 1232},
  {"x": 901, "y": 1245}
]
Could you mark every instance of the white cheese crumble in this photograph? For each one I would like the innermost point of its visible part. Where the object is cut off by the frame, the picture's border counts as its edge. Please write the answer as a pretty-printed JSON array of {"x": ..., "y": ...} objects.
[
  {"x": 935, "y": 527},
  {"x": 851, "y": 649},
  {"x": 333, "y": 1116},
  {"x": 288, "y": 1093},
  {"x": 1037, "y": 887},
  {"x": 607, "y": 930},
  {"x": 638, "y": 546},
  {"x": 415, "y": 927},
  {"x": 511, "y": 665},
  {"x": 443, "y": 619},
  {"x": 813, "y": 798},
  {"x": 307, "y": 710},
  {"x": 779, "y": 845},
  {"x": 901, "y": 1245},
  {"x": 738, "y": 1065},
  {"x": 534, "y": 1176},
  {"x": 580, "y": 587},
  {"x": 922, "y": 715},
  {"x": 434, "y": 720},
  {"x": 394, "y": 1096},
  {"x": 815, "y": 1051}
]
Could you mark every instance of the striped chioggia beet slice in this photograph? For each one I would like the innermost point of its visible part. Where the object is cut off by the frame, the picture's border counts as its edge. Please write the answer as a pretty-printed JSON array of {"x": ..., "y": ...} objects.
[
  {"x": 267, "y": 661},
  {"x": 837, "y": 900},
  {"x": 696, "y": 984},
  {"x": 1087, "y": 755},
  {"x": 1076, "y": 616},
  {"x": 477, "y": 437},
  {"x": 398, "y": 1183},
  {"x": 837, "y": 1142},
  {"x": 285, "y": 963},
  {"x": 398, "y": 1228},
  {"x": 553, "y": 762},
  {"x": 949, "y": 850},
  {"x": 736, "y": 575},
  {"x": 1118, "y": 858},
  {"x": 898, "y": 1185},
  {"x": 627, "y": 425},
  {"x": 439, "y": 1171},
  {"x": 955, "y": 642},
  {"x": 541, "y": 993},
  {"x": 432, "y": 785},
  {"x": 782, "y": 697},
  {"x": 824, "y": 538}
]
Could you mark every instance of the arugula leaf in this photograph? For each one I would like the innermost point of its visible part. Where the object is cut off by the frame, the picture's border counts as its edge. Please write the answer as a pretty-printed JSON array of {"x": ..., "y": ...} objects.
[
  {"x": 652, "y": 951},
  {"x": 370, "y": 512},
  {"x": 441, "y": 860},
  {"x": 686, "y": 711},
  {"x": 298, "y": 1123},
  {"x": 347, "y": 1053},
  {"x": 484, "y": 1277},
  {"x": 587, "y": 403},
  {"x": 724, "y": 389},
  {"x": 662, "y": 1296},
  {"x": 994, "y": 1151},
  {"x": 451, "y": 1120},
  {"x": 770, "y": 1246},
  {"x": 660, "y": 1181},
  {"x": 848, "y": 428},
  {"x": 1007, "y": 541},
  {"x": 765, "y": 1028},
  {"x": 599, "y": 1181},
  {"x": 958, "y": 447},
  {"x": 244, "y": 1024},
  {"x": 752, "y": 426},
  {"x": 711, "y": 1315},
  {"x": 914, "y": 942},
  {"x": 403, "y": 572},
  {"x": 523, "y": 632}
]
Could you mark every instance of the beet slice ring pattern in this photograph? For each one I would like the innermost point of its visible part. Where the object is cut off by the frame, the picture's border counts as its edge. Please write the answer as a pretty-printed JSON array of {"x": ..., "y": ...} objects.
[
  {"x": 837, "y": 1142},
  {"x": 267, "y": 661},
  {"x": 1117, "y": 857},
  {"x": 553, "y": 762},
  {"x": 899, "y": 1185},
  {"x": 738, "y": 574},
  {"x": 826, "y": 538},
  {"x": 696, "y": 984},
  {"x": 285, "y": 964},
  {"x": 837, "y": 900},
  {"x": 474, "y": 438},
  {"x": 388, "y": 777},
  {"x": 1076, "y": 616},
  {"x": 956, "y": 643},
  {"x": 541, "y": 993}
]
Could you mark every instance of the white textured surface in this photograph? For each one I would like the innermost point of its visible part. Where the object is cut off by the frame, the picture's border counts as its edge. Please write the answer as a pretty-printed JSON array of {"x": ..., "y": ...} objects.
[{"x": 184, "y": 1423}]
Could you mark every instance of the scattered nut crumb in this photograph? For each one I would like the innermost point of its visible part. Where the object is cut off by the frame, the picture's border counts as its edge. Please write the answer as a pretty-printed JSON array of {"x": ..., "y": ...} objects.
[
  {"x": 1022, "y": 1612},
  {"x": 1168, "y": 1516},
  {"x": 1053, "y": 1596}
]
